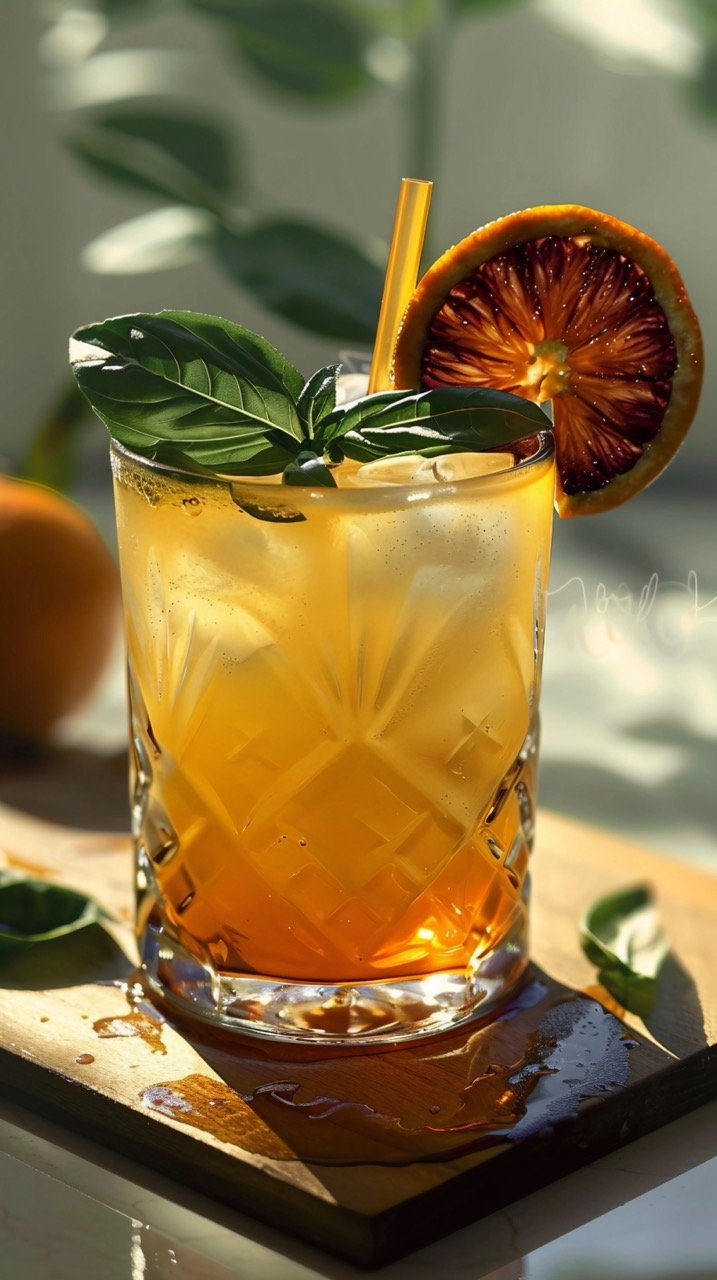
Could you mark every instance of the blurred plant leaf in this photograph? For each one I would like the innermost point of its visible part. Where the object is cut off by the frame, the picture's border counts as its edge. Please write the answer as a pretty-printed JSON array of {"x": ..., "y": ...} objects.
[
  {"x": 312, "y": 48},
  {"x": 180, "y": 157},
  {"x": 399, "y": 19},
  {"x": 702, "y": 15},
  {"x": 701, "y": 90},
  {"x": 468, "y": 8},
  {"x": 203, "y": 146},
  {"x": 52, "y": 456},
  {"x": 34, "y": 911},
  {"x": 623, "y": 936},
  {"x": 112, "y": 10},
  {"x": 195, "y": 385},
  {"x": 124, "y": 10},
  {"x": 165, "y": 238},
  {"x": 318, "y": 279}
]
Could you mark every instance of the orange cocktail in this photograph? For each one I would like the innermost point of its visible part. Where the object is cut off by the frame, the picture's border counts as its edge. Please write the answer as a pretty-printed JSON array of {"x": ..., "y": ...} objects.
[
  {"x": 335, "y": 613},
  {"x": 335, "y": 729}
]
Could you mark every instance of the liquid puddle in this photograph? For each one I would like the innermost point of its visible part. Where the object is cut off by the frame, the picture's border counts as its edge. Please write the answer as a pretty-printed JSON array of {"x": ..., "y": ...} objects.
[
  {"x": 132, "y": 1024},
  {"x": 215, "y": 1108},
  {"x": 509, "y": 1080}
]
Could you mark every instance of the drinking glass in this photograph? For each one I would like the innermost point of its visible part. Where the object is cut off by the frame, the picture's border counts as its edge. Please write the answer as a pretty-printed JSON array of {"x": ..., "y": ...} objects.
[{"x": 334, "y": 722}]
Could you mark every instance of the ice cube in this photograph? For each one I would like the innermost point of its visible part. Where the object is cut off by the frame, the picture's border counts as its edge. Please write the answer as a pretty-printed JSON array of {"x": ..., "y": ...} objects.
[
  {"x": 412, "y": 468},
  {"x": 405, "y": 469},
  {"x": 462, "y": 466}
]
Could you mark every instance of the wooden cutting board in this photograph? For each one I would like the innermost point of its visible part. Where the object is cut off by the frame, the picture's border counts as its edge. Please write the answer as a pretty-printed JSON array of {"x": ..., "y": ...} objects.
[{"x": 367, "y": 1155}]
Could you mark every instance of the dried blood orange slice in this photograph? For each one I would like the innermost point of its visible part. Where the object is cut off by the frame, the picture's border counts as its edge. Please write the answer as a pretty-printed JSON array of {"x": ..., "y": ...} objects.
[{"x": 566, "y": 304}]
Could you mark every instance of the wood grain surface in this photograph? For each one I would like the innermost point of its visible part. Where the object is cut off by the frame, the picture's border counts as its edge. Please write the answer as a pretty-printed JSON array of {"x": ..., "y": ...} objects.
[{"x": 366, "y": 1154}]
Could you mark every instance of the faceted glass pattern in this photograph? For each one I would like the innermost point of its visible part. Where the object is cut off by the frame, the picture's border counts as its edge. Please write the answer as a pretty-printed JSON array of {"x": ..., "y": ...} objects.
[{"x": 334, "y": 735}]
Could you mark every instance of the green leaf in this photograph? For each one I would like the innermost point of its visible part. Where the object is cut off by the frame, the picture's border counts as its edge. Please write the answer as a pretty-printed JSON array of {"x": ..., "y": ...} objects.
[
  {"x": 319, "y": 280},
  {"x": 33, "y": 911},
  {"x": 308, "y": 468},
  {"x": 318, "y": 397},
  {"x": 701, "y": 90},
  {"x": 473, "y": 8},
  {"x": 184, "y": 157},
  {"x": 702, "y": 16},
  {"x": 206, "y": 387},
  {"x": 312, "y": 49},
  {"x": 199, "y": 392},
  {"x": 113, "y": 10},
  {"x": 52, "y": 455},
  {"x": 622, "y": 935},
  {"x": 125, "y": 10},
  {"x": 202, "y": 145},
  {"x": 443, "y": 420},
  {"x": 158, "y": 241},
  {"x": 248, "y": 454}
]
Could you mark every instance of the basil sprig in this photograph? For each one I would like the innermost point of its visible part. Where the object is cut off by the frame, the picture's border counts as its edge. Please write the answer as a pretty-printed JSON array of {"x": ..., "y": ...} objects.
[
  {"x": 442, "y": 420},
  {"x": 204, "y": 394},
  {"x": 623, "y": 936}
]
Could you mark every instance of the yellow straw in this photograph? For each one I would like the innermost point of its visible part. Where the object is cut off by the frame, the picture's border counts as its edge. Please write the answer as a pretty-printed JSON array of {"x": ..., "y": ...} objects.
[{"x": 404, "y": 257}]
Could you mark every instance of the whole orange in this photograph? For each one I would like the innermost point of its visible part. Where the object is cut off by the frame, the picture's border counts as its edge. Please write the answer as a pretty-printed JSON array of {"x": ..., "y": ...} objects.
[{"x": 59, "y": 609}]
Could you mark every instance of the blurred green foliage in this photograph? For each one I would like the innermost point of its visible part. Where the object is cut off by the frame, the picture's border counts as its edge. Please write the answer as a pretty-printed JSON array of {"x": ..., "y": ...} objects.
[
  {"x": 314, "y": 55},
  {"x": 318, "y": 54}
]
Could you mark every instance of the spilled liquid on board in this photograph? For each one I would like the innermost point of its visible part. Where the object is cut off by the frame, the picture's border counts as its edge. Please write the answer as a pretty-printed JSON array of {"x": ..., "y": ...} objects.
[
  {"x": 530, "y": 1069},
  {"x": 132, "y": 1024}
]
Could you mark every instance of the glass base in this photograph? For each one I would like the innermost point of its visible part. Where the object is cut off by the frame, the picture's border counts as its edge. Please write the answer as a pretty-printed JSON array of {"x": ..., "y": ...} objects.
[{"x": 371, "y": 1013}]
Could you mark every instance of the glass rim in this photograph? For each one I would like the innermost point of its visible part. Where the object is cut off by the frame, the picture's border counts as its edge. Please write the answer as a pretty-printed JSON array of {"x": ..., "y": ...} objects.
[{"x": 263, "y": 486}]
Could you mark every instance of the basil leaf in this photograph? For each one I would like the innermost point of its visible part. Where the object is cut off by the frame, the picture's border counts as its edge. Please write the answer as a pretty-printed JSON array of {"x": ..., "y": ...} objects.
[
  {"x": 442, "y": 420},
  {"x": 622, "y": 935},
  {"x": 308, "y": 469},
  {"x": 250, "y": 455},
  {"x": 195, "y": 391},
  {"x": 33, "y": 911},
  {"x": 318, "y": 397},
  {"x": 211, "y": 387}
]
